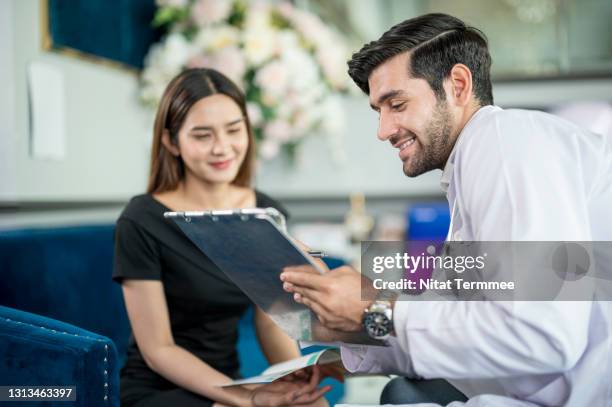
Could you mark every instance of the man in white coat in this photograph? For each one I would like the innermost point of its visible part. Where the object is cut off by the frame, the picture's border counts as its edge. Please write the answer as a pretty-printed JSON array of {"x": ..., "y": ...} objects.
[{"x": 509, "y": 175}]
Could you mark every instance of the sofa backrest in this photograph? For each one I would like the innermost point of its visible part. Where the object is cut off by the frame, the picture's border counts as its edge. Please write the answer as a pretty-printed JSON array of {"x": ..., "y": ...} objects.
[{"x": 65, "y": 273}]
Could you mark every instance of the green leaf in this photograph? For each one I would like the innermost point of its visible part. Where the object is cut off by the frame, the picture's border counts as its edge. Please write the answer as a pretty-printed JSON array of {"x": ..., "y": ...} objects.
[
  {"x": 237, "y": 14},
  {"x": 168, "y": 15},
  {"x": 279, "y": 21}
]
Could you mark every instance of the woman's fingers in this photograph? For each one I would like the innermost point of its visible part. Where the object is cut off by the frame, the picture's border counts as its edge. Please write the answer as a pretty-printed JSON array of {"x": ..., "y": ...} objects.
[
  {"x": 302, "y": 374},
  {"x": 312, "y": 396},
  {"x": 333, "y": 370}
]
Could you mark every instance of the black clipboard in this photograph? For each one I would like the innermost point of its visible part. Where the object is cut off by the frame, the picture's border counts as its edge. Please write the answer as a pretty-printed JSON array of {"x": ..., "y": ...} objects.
[{"x": 251, "y": 246}]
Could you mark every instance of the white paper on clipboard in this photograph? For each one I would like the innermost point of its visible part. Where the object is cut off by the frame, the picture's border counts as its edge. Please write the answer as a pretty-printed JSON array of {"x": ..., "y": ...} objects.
[{"x": 251, "y": 247}]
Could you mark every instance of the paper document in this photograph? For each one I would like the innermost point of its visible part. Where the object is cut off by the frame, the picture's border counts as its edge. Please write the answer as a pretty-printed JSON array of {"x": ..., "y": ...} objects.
[{"x": 274, "y": 372}]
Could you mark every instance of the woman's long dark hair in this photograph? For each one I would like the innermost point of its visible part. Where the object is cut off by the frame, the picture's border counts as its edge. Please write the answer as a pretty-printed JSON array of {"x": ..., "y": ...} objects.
[{"x": 180, "y": 95}]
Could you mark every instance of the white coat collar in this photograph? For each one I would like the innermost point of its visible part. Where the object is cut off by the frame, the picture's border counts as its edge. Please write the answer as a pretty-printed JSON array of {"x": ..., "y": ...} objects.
[{"x": 449, "y": 167}]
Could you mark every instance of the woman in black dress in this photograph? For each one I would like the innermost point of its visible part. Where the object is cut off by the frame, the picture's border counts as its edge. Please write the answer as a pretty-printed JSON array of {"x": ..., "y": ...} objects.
[{"x": 183, "y": 310}]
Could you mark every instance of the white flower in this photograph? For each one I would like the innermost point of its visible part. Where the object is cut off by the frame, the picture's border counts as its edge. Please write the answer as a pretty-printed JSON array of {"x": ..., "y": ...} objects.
[
  {"x": 215, "y": 38},
  {"x": 288, "y": 39},
  {"x": 206, "y": 12},
  {"x": 311, "y": 27},
  {"x": 171, "y": 3},
  {"x": 260, "y": 44},
  {"x": 231, "y": 62},
  {"x": 312, "y": 95},
  {"x": 273, "y": 78},
  {"x": 258, "y": 15},
  {"x": 254, "y": 112},
  {"x": 228, "y": 61},
  {"x": 333, "y": 62},
  {"x": 286, "y": 9},
  {"x": 269, "y": 149},
  {"x": 302, "y": 65},
  {"x": 175, "y": 52}
]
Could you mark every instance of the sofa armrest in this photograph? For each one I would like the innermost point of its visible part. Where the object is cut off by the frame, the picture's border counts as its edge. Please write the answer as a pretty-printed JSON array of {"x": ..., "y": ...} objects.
[{"x": 40, "y": 351}]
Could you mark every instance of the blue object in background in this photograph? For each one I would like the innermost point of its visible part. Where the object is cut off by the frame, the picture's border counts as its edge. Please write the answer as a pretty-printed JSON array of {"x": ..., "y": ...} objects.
[
  {"x": 118, "y": 30},
  {"x": 428, "y": 221},
  {"x": 65, "y": 274},
  {"x": 39, "y": 351}
]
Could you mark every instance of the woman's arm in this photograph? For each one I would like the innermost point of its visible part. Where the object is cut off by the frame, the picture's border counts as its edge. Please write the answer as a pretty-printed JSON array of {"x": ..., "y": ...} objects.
[
  {"x": 275, "y": 344},
  {"x": 148, "y": 312}
]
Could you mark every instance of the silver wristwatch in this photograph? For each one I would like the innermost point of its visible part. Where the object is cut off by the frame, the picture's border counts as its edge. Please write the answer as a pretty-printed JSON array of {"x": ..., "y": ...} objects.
[{"x": 378, "y": 320}]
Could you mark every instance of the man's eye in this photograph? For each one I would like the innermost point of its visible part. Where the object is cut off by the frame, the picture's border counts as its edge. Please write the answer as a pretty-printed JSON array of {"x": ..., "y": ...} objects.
[{"x": 397, "y": 106}]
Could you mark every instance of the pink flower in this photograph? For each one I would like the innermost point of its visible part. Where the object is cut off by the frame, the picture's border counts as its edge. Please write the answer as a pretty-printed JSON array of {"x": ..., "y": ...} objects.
[
  {"x": 311, "y": 27},
  {"x": 273, "y": 78},
  {"x": 278, "y": 130},
  {"x": 199, "y": 61},
  {"x": 286, "y": 9},
  {"x": 229, "y": 61},
  {"x": 205, "y": 12}
]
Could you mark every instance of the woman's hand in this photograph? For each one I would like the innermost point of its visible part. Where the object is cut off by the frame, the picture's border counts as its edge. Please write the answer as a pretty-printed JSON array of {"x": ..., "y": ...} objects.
[
  {"x": 290, "y": 391},
  {"x": 333, "y": 370}
]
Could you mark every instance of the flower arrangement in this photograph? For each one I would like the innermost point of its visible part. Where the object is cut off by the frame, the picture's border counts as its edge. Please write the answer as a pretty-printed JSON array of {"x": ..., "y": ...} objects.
[{"x": 291, "y": 66}]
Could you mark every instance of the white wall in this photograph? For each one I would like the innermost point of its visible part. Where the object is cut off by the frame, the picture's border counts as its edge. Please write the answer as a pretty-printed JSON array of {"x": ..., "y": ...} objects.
[
  {"x": 8, "y": 170},
  {"x": 106, "y": 130}
]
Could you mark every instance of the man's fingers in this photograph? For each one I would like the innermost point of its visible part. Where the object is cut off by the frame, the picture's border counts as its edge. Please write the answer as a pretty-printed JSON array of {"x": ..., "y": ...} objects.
[
  {"x": 304, "y": 276},
  {"x": 321, "y": 313},
  {"x": 302, "y": 245},
  {"x": 308, "y": 293},
  {"x": 321, "y": 264}
]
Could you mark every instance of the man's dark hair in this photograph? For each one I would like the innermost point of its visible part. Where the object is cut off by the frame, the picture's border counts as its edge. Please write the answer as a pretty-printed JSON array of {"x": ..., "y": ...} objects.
[{"x": 436, "y": 43}]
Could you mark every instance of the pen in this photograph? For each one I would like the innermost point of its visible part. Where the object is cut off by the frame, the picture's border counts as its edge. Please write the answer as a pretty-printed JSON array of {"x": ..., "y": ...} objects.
[{"x": 316, "y": 253}]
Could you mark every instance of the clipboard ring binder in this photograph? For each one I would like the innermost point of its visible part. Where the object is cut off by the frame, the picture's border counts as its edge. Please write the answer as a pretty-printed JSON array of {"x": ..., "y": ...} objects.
[{"x": 245, "y": 213}]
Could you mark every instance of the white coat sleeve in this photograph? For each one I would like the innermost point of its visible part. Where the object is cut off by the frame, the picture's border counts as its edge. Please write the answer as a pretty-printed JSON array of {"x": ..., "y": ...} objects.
[
  {"x": 507, "y": 191},
  {"x": 392, "y": 359}
]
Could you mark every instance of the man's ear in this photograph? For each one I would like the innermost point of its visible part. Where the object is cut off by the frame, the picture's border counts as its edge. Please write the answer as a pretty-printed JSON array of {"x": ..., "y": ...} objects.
[
  {"x": 168, "y": 144},
  {"x": 458, "y": 85}
]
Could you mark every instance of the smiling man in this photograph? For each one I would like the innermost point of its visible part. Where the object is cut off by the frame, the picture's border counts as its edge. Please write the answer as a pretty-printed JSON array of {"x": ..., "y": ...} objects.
[{"x": 509, "y": 175}]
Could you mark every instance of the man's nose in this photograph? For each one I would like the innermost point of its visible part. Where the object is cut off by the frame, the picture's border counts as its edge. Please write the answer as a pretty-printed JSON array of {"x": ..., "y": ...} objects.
[{"x": 386, "y": 128}]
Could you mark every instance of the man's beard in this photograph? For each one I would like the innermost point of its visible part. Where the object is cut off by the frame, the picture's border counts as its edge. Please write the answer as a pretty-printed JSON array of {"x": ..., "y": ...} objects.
[{"x": 434, "y": 154}]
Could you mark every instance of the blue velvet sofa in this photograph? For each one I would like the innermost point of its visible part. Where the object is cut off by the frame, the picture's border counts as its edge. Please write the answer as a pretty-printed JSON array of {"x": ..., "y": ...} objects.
[{"x": 63, "y": 321}]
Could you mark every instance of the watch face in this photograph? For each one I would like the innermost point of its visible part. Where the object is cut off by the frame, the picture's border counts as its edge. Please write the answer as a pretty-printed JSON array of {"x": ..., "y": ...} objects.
[{"x": 377, "y": 325}]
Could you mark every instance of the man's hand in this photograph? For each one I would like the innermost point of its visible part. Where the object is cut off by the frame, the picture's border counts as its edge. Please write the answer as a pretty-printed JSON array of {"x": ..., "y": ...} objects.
[
  {"x": 335, "y": 296},
  {"x": 290, "y": 391}
]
